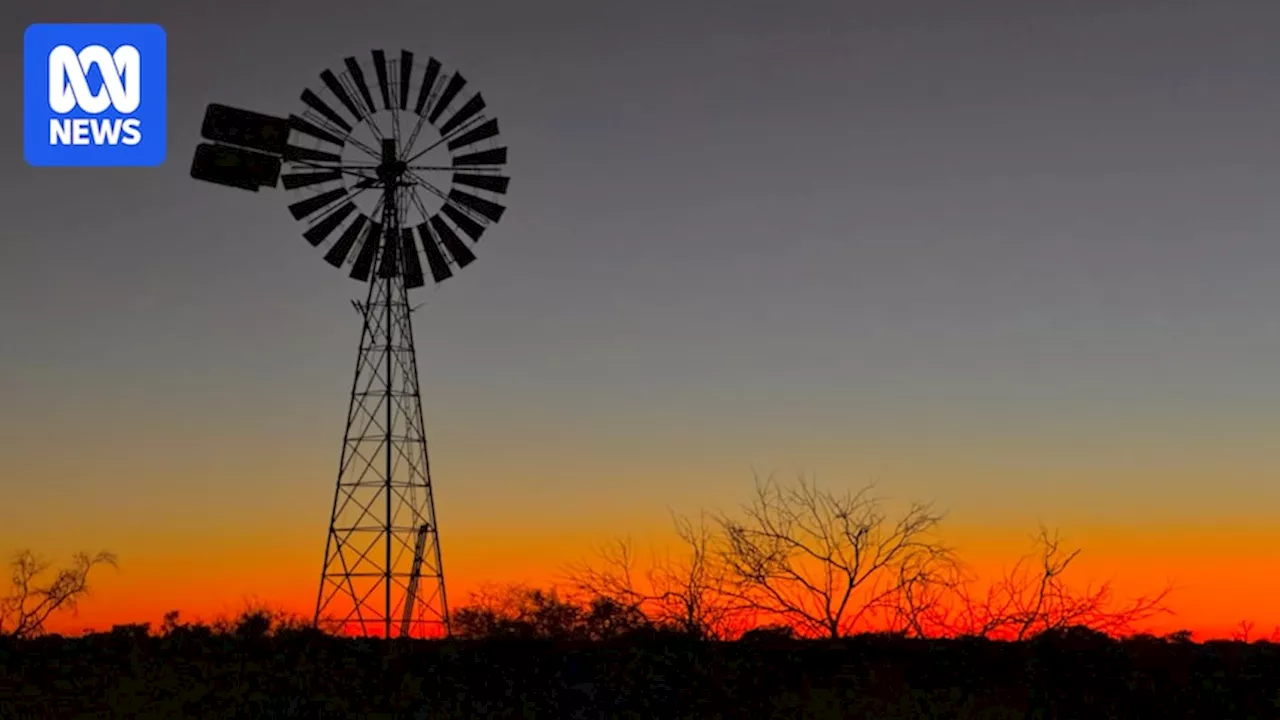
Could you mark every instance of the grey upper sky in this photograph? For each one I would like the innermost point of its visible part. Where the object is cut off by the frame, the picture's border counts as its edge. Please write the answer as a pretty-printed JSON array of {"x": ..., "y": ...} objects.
[{"x": 1009, "y": 255}]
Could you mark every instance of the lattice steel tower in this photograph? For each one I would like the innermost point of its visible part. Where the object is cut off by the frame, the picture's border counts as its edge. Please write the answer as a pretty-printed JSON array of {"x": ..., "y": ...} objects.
[{"x": 382, "y": 573}]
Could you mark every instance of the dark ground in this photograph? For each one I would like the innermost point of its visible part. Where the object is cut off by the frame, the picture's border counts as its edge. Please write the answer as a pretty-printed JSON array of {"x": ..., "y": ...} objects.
[{"x": 302, "y": 674}]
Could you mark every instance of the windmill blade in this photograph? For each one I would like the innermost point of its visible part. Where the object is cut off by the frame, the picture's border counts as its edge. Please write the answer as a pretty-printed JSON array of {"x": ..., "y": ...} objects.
[
  {"x": 293, "y": 181},
  {"x": 380, "y": 69},
  {"x": 302, "y": 125},
  {"x": 496, "y": 156},
  {"x": 465, "y": 222},
  {"x": 465, "y": 113},
  {"x": 406, "y": 73},
  {"x": 487, "y": 208},
  {"x": 450, "y": 92},
  {"x": 314, "y": 102},
  {"x": 364, "y": 261},
  {"x": 235, "y": 167},
  {"x": 435, "y": 259},
  {"x": 317, "y": 233},
  {"x": 314, "y": 204},
  {"x": 300, "y": 154},
  {"x": 428, "y": 83},
  {"x": 412, "y": 265},
  {"x": 338, "y": 253},
  {"x": 492, "y": 183},
  {"x": 458, "y": 249},
  {"x": 340, "y": 92},
  {"x": 357, "y": 76},
  {"x": 483, "y": 131}
]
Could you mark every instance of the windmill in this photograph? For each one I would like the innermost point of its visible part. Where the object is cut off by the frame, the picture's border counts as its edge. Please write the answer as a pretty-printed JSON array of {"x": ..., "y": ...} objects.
[{"x": 376, "y": 204}]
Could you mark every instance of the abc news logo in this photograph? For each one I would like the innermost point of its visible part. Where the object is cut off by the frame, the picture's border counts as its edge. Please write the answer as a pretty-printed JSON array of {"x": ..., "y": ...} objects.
[
  {"x": 94, "y": 95},
  {"x": 69, "y": 90}
]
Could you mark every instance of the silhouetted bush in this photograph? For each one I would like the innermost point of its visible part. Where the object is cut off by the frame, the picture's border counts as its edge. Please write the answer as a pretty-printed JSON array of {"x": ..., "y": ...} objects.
[
  {"x": 769, "y": 633},
  {"x": 534, "y": 614}
]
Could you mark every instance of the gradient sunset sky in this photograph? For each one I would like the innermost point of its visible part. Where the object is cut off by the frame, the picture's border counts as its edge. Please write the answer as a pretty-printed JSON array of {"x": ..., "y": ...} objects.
[{"x": 1020, "y": 259}]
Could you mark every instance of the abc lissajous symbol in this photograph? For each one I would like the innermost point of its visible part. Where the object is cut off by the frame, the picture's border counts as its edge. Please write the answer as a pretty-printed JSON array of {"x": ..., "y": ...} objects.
[
  {"x": 94, "y": 95},
  {"x": 69, "y": 87}
]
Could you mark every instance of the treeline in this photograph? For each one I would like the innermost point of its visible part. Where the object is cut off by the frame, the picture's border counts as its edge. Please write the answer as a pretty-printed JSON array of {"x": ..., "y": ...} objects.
[{"x": 561, "y": 659}]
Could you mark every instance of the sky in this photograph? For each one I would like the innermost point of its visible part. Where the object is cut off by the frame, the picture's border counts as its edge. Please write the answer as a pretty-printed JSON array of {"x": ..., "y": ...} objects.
[{"x": 1016, "y": 259}]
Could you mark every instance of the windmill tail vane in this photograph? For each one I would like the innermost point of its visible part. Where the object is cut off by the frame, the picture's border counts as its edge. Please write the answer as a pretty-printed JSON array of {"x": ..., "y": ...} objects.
[{"x": 395, "y": 170}]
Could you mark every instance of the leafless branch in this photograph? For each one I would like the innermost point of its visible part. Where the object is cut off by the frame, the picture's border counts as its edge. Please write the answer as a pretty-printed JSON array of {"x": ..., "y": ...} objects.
[
  {"x": 686, "y": 592},
  {"x": 828, "y": 564},
  {"x": 29, "y": 604},
  {"x": 1034, "y": 597}
]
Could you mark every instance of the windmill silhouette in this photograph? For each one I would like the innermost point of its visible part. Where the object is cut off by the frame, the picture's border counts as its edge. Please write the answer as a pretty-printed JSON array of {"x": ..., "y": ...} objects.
[{"x": 377, "y": 205}]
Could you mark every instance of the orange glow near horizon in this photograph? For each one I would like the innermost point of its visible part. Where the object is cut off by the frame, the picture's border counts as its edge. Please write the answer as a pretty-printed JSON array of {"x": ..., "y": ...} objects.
[{"x": 1210, "y": 596}]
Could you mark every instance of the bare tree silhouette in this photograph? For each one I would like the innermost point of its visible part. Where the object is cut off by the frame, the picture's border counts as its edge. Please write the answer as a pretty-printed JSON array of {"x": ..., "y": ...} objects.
[
  {"x": 29, "y": 604},
  {"x": 611, "y": 574},
  {"x": 827, "y": 564},
  {"x": 1033, "y": 597},
  {"x": 687, "y": 592},
  {"x": 928, "y": 580}
]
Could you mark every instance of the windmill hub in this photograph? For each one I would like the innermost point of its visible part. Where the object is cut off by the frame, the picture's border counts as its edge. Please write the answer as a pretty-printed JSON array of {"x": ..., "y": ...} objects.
[{"x": 392, "y": 172}]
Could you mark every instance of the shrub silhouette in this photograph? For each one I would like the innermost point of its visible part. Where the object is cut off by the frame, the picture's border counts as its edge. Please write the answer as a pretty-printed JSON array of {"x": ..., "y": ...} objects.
[
  {"x": 523, "y": 613},
  {"x": 769, "y": 633}
]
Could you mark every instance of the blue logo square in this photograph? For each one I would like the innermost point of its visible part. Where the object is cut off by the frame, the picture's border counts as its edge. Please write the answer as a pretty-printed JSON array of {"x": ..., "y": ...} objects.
[{"x": 94, "y": 95}]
